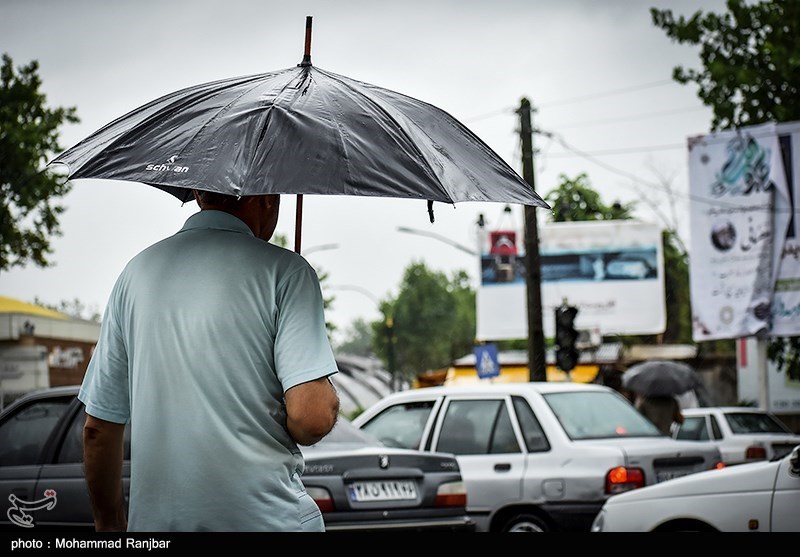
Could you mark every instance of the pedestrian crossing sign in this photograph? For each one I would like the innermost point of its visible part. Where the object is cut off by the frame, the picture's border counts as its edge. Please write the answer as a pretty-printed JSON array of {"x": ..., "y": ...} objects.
[{"x": 486, "y": 360}]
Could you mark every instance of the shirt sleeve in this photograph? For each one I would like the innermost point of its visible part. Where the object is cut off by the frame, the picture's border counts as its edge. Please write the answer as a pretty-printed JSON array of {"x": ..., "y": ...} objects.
[
  {"x": 302, "y": 349},
  {"x": 105, "y": 389}
]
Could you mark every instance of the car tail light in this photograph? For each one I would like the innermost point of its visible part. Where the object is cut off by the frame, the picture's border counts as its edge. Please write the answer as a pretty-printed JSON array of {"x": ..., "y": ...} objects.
[
  {"x": 718, "y": 465},
  {"x": 321, "y": 497},
  {"x": 755, "y": 453},
  {"x": 451, "y": 494},
  {"x": 623, "y": 479}
]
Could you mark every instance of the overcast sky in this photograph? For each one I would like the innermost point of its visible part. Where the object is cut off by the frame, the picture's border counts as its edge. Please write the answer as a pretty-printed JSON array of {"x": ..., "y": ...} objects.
[{"x": 598, "y": 73}]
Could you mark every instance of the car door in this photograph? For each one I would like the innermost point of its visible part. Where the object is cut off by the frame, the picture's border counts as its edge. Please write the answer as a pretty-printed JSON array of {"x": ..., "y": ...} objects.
[
  {"x": 64, "y": 473},
  {"x": 786, "y": 499},
  {"x": 480, "y": 432},
  {"x": 26, "y": 435}
]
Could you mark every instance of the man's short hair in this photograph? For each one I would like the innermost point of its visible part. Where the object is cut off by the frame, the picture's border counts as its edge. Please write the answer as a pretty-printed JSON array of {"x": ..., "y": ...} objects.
[{"x": 215, "y": 198}]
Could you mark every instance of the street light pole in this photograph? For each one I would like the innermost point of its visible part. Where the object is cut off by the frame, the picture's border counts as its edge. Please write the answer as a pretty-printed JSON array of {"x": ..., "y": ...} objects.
[{"x": 437, "y": 237}]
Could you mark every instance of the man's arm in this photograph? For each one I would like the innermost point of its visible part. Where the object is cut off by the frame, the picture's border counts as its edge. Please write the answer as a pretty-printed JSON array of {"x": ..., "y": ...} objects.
[
  {"x": 311, "y": 410},
  {"x": 103, "y": 450}
]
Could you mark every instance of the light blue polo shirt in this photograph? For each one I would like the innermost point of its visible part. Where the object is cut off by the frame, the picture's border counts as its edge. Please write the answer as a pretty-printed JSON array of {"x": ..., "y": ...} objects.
[{"x": 203, "y": 333}]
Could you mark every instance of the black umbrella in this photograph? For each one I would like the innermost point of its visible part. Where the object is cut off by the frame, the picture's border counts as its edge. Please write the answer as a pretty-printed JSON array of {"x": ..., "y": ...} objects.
[
  {"x": 300, "y": 130},
  {"x": 660, "y": 378}
]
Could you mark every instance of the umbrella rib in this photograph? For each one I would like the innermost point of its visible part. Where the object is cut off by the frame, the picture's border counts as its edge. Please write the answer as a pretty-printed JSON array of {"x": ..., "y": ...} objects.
[{"x": 411, "y": 142}]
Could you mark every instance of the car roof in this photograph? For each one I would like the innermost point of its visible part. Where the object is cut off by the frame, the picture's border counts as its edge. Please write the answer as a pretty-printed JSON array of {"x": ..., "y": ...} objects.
[
  {"x": 542, "y": 387},
  {"x": 723, "y": 409}
]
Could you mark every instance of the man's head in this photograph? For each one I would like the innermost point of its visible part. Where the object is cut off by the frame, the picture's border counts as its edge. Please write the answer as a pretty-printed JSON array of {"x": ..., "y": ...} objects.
[{"x": 259, "y": 212}]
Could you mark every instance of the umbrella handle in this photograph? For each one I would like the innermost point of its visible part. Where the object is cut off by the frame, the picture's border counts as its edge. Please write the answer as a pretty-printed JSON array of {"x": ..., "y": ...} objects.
[{"x": 307, "y": 55}]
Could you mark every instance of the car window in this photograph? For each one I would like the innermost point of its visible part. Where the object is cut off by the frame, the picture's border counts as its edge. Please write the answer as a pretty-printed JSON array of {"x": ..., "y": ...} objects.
[
  {"x": 71, "y": 450},
  {"x": 401, "y": 425},
  {"x": 599, "y": 415},
  {"x": 477, "y": 427},
  {"x": 535, "y": 439},
  {"x": 715, "y": 429},
  {"x": 751, "y": 422},
  {"x": 24, "y": 434},
  {"x": 693, "y": 428}
]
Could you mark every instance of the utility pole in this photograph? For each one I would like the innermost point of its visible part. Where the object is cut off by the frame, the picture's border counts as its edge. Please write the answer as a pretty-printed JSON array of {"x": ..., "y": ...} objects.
[{"x": 537, "y": 366}]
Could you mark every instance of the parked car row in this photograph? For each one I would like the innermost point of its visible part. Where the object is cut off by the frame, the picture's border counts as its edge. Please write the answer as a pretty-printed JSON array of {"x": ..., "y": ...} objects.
[{"x": 513, "y": 457}]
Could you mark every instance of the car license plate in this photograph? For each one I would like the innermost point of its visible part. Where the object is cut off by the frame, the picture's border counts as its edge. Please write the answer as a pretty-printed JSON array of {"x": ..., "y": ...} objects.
[
  {"x": 390, "y": 490},
  {"x": 665, "y": 475}
]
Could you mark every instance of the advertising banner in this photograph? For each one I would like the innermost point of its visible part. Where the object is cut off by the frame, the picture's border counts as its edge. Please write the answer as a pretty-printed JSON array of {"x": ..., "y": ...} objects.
[
  {"x": 786, "y": 298},
  {"x": 737, "y": 180},
  {"x": 612, "y": 271}
]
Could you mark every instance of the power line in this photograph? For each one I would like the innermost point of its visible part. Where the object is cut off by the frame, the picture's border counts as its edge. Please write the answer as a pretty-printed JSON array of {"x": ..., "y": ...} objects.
[
  {"x": 622, "y": 151},
  {"x": 608, "y": 93},
  {"x": 652, "y": 185},
  {"x": 643, "y": 116}
]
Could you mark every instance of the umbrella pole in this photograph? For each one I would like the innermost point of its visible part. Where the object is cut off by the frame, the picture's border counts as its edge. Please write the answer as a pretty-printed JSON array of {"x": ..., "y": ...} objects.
[
  {"x": 298, "y": 219},
  {"x": 298, "y": 222}
]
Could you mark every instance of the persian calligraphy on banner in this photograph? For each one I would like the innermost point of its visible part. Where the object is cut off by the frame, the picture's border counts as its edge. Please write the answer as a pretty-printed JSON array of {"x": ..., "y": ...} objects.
[
  {"x": 786, "y": 300},
  {"x": 736, "y": 180}
]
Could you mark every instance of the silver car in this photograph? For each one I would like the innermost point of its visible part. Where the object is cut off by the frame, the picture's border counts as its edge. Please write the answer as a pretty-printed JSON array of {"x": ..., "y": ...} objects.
[
  {"x": 538, "y": 456},
  {"x": 742, "y": 434}
]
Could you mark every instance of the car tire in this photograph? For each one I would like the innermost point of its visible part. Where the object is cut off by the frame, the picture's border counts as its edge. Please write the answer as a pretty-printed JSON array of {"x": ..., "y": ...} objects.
[{"x": 526, "y": 523}]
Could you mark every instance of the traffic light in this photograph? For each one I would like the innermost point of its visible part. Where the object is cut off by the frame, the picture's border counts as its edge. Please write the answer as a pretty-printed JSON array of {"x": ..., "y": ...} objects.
[{"x": 566, "y": 337}]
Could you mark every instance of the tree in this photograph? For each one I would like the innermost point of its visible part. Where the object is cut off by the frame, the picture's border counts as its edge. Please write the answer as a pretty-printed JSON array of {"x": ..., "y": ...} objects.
[
  {"x": 432, "y": 322},
  {"x": 750, "y": 74},
  {"x": 28, "y": 138},
  {"x": 575, "y": 200},
  {"x": 358, "y": 339}
]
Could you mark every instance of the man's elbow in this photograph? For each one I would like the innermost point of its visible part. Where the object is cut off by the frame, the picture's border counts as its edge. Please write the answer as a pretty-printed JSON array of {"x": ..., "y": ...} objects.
[{"x": 312, "y": 426}]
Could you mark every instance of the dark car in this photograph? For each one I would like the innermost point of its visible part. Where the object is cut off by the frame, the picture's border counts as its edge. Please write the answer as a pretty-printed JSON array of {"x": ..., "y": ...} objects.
[{"x": 358, "y": 483}]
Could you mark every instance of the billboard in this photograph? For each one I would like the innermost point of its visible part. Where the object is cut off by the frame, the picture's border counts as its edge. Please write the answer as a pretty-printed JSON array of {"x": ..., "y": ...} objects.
[
  {"x": 612, "y": 271},
  {"x": 744, "y": 268}
]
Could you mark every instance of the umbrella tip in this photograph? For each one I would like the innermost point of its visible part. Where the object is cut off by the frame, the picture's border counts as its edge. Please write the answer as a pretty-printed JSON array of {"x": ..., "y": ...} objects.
[{"x": 307, "y": 54}]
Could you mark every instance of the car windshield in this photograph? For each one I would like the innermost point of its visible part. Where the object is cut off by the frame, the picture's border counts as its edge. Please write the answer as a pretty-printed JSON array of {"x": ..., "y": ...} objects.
[
  {"x": 752, "y": 422},
  {"x": 599, "y": 415}
]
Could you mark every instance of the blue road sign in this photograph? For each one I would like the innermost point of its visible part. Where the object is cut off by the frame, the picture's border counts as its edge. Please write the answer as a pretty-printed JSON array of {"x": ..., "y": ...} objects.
[{"x": 486, "y": 361}]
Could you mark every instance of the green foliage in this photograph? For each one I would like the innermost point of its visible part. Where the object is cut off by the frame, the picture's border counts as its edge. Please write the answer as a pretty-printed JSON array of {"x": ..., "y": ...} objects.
[
  {"x": 358, "y": 339},
  {"x": 575, "y": 200},
  {"x": 432, "y": 322},
  {"x": 28, "y": 138},
  {"x": 750, "y": 74},
  {"x": 750, "y": 59}
]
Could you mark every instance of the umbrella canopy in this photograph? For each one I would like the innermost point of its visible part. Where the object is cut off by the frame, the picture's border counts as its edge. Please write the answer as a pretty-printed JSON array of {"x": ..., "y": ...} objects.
[
  {"x": 660, "y": 378},
  {"x": 300, "y": 130}
]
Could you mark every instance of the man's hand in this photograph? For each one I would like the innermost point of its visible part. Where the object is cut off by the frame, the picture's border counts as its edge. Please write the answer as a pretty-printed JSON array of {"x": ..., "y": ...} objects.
[{"x": 311, "y": 410}]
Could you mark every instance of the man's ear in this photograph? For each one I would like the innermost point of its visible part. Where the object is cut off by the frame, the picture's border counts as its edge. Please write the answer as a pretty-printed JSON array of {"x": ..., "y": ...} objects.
[{"x": 197, "y": 198}]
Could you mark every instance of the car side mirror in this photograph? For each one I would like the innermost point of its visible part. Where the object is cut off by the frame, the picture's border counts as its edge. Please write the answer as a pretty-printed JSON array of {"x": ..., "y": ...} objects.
[{"x": 794, "y": 461}]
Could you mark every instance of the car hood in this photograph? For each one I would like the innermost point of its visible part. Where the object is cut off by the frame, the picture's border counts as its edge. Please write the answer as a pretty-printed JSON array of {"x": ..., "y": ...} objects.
[{"x": 756, "y": 476}]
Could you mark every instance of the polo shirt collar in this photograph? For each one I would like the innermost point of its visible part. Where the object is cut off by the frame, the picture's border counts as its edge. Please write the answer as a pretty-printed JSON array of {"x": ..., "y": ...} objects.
[{"x": 219, "y": 220}]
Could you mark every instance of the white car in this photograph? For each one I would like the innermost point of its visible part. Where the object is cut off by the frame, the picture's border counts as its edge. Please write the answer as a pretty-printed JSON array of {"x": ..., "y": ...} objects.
[
  {"x": 755, "y": 497},
  {"x": 536, "y": 456},
  {"x": 742, "y": 434}
]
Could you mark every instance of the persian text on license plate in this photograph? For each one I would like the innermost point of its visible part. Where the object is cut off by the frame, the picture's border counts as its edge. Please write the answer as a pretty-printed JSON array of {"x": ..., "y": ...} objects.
[{"x": 389, "y": 490}]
